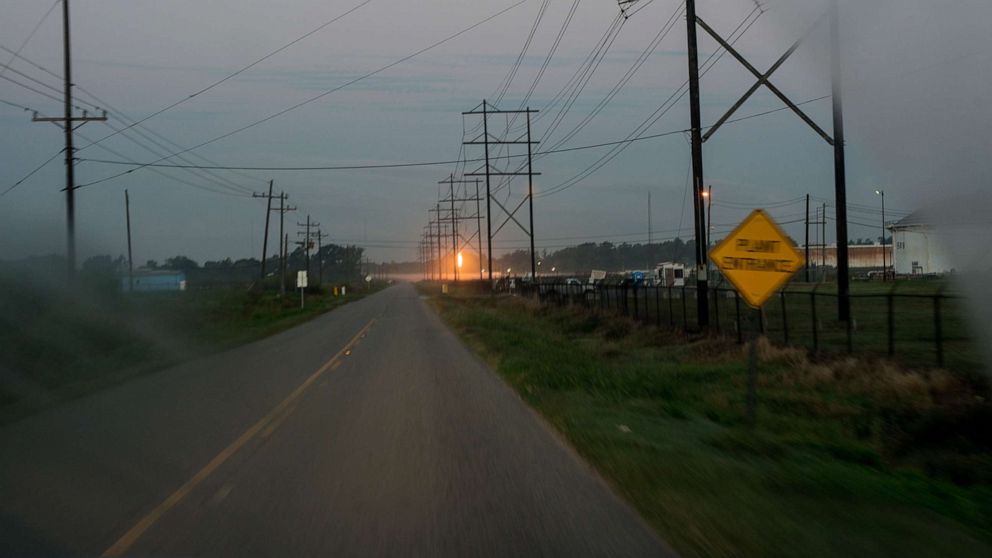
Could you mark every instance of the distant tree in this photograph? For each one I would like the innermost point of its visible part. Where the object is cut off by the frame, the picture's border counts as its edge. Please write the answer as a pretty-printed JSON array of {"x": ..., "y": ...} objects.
[
  {"x": 180, "y": 263},
  {"x": 247, "y": 262},
  {"x": 102, "y": 272},
  {"x": 151, "y": 264},
  {"x": 221, "y": 264},
  {"x": 99, "y": 265}
]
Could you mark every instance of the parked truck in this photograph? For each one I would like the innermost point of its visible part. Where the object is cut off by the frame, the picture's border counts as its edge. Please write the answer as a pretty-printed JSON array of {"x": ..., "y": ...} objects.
[{"x": 670, "y": 274}]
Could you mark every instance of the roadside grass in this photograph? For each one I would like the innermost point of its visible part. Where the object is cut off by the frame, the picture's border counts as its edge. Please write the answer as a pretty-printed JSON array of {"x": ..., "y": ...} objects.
[
  {"x": 853, "y": 456},
  {"x": 59, "y": 344}
]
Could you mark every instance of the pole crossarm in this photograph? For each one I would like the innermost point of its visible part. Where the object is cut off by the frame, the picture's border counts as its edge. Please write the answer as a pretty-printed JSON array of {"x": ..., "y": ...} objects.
[
  {"x": 84, "y": 118},
  {"x": 503, "y": 173},
  {"x": 762, "y": 80},
  {"x": 514, "y": 142}
]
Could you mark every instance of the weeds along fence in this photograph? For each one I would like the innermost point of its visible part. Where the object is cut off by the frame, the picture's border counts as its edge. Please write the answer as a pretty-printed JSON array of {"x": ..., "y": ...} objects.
[{"x": 921, "y": 329}]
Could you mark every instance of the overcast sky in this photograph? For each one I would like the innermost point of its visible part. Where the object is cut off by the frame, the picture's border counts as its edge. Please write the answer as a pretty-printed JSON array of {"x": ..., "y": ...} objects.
[{"x": 917, "y": 76}]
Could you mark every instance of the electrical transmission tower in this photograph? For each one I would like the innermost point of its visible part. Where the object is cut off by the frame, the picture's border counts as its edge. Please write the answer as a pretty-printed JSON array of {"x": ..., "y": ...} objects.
[
  {"x": 486, "y": 140},
  {"x": 457, "y": 236},
  {"x": 698, "y": 138}
]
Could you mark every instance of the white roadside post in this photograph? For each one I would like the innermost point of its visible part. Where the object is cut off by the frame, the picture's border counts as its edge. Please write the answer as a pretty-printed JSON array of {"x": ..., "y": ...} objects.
[{"x": 301, "y": 283}]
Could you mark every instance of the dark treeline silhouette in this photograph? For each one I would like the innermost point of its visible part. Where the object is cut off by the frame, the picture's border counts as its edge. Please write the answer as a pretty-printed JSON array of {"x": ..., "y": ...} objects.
[{"x": 341, "y": 264}]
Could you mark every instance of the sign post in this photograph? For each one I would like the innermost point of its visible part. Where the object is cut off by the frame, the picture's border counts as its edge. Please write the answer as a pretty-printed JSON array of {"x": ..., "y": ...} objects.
[
  {"x": 758, "y": 258},
  {"x": 301, "y": 283}
]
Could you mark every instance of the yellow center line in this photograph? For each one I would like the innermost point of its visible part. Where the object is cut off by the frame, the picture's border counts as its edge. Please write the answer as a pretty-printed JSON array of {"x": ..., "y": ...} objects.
[{"x": 126, "y": 541}]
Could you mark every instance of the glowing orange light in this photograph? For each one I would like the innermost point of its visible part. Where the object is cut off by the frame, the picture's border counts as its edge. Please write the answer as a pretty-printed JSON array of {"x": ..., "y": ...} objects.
[{"x": 460, "y": 260}]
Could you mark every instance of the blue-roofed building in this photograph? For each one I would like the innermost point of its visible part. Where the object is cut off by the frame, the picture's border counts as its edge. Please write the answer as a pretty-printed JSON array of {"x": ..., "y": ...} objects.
[{"x": 156, "y": 280}]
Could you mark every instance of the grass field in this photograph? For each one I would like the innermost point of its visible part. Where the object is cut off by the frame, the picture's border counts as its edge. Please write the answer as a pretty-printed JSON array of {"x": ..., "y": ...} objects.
[
  {"x": 59, "y": 344},
  {"x": 848, "y": 457}
]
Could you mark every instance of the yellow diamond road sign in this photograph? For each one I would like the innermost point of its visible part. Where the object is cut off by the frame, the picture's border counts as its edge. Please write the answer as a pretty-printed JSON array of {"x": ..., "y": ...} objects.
[{"x": 758, "y": 258}]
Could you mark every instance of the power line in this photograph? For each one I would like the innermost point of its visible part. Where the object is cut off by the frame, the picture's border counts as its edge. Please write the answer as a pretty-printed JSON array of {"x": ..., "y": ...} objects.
[
  {"x": 321, "y": 95},
  {"x": 32, "y": 173},
  {"x": 421, "y": 163},
  {"x": 666, "y": 106},
  {"x": 16, "y": 105},
  {"x": 641, "y": 59},
  {"x": 505, "y": 85},
  {"x": 236, "y": 73},
  {"x": 27, "y": 39},
  {"x": 126, "y": 119}
]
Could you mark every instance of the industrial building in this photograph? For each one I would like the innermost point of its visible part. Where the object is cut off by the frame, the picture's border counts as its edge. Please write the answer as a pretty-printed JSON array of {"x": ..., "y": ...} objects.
[{"x": 155, "y": 280}]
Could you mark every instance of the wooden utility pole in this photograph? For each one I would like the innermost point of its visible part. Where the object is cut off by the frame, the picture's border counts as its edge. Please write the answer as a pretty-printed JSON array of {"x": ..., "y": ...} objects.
[
  {"x": 807, "y": 238},
  {"x": 284, "y": 253},
  {"x": 840, "y": 173},
  {"x": 268, "y": 212},
  {"x": 67, "y": 122},
  {"x": 130, "y": 259},
  {"x": 702, "y": 290}
]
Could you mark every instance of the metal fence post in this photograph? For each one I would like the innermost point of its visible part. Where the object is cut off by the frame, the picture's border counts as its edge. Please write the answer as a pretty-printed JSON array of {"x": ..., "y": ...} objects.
[
  {"x": 849, "y": 326},
  {"x": 671, "y": 309},
  {"x": 685, "y": 315},
  {"x": 634, "y": 289},
  {"x": 716, "y": 308},
  {"x": 737, "y": 307},
  {"x": 657, "y": 306},
  {"x": 785, "y": 318},
  {"x": 812, "y": 313},
  {"x": 938, "y": 329},
  {"x": 890, "y": 301}
]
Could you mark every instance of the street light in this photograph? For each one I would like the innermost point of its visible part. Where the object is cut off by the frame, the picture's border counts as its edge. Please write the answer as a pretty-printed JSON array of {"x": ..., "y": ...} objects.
[
  {"x": 885, "y": 265},
  {"x": 460, "y": 260}
]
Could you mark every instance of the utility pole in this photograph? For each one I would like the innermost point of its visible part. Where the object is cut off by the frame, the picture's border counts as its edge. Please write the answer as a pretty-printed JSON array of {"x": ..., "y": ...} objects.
[
  {"x": 67, "y": 123},
  {"x": 307, "y": 240},
  {"x": 840, "y": 173},
  {"x": 709, "y": 216},
  {"x": 320, "y": 256},
  {"x": 807, "y": 238},
  {"x": 823, "y": 234},
  {"x": 455, "y": 218},
  {"x": 268, "y": 212},
  {"x": 284, "y": 240},
  {"x": 428, "y": 252},
  {"x": 130, "y": 260},
  {"x": 282, "y": 236},
  {"x": 530, "y": 199},
  {"x": 306, "y": 245},
  {"x": 454, "y": 229},
  {"x": 440, "y": 251},
  {"x": 489, "y": 208},
  {"x": 702, "y": 291},
  {"x": 478, "y": 227},
  {"x": 285, "y": 257}
]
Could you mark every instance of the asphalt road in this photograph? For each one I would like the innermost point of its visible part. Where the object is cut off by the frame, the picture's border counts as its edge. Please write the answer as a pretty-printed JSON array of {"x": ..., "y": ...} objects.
[{"x": 370, "y": 431}]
